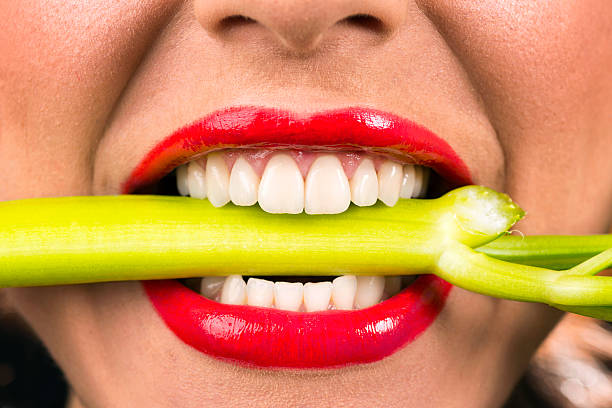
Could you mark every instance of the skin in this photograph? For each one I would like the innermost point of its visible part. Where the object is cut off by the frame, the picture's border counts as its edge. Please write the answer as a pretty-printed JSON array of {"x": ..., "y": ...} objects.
[{"x": 521, "y": 90}]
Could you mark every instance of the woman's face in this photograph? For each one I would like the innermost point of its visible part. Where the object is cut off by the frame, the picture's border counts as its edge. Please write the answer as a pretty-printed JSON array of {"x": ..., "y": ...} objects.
[{"x": 521, "y": 90}]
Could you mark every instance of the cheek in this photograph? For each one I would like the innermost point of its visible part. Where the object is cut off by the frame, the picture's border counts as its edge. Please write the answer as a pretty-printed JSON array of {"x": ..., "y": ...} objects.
[
  {"x": 542, "y": 69},
  {"x": 525, "y": 54},
  {"x": 64, "y": 65}
]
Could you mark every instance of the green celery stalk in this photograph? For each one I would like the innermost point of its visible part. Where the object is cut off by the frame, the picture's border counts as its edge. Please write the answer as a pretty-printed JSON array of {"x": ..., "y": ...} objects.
[
  {"x": 574, "y": 290},
  {"x": 53, "y": 241},
  {"x": 572, "y": 287},
  {"x": 547, "y": 251}
]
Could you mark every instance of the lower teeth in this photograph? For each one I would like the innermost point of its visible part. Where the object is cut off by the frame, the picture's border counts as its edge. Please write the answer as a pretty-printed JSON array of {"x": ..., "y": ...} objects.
[{"x": 303, "y": 294}]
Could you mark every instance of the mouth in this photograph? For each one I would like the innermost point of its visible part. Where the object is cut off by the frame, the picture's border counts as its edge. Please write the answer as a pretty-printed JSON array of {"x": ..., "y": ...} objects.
[{"x": 287, "y": 163}]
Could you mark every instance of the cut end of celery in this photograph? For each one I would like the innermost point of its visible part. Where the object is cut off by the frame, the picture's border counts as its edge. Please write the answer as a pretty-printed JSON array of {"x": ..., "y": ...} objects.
[{"x": 482, "y": 212}]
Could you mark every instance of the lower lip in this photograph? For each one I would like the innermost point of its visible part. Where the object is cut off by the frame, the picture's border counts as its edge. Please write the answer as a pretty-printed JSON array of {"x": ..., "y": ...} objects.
[{"x": 271, "y": 338}]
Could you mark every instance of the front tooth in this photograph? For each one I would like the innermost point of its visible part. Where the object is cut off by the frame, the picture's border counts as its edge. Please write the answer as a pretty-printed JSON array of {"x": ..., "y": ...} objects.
[
  {"x": 327, "y": 188},
  {"x": 393, "y": 285},
  {"x": 217, "y": 179},
  {"x": 260, "y": 292},
  {"x": 234, "y": 291},
  {"x": 211, "y": 286},
  {"x": 282, "y": 187},
  {"x": 196, "y": 180},
  {"x": 364, "y": 184},
  {"x": 369, "y": 291},
  {"x": 343, "y": 292},
  {"x": 181, "y": 180},
  {"x": 389, "y": 182},
  {"x": 288, "y": 296},
  {"x": 408, "y": 181},
  {"x": 317, "y": 295},
  {"x": 243, "y": 183}
]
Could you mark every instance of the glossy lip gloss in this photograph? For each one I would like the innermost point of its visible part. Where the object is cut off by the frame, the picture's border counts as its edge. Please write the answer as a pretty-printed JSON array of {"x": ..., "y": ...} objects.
[
  {"x": 266, "y": 337},
  {"x": 249, "y": 126}
]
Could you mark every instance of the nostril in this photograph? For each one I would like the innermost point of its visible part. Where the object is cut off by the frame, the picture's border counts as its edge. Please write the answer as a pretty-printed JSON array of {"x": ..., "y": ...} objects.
[
  {"x": 300, "y": 26},
  {"x": 366, "y": 22},
  {"x": 234, "y": 21}
]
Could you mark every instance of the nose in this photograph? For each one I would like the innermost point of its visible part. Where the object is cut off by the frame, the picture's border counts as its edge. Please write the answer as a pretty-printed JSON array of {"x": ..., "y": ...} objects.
[{"x": 301, "y": 25}]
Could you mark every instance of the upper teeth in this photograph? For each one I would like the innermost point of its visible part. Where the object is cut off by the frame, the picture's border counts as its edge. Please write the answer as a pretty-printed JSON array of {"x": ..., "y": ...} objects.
[
  {"x": 364, "y": 184},
  {"x": 243, "y": 183},
  {"x": 196, "y": 180},
  {"x": 217, "y": 179},
  {"x": 282, "y": 187},
  {"x": 327, "y": 188},
  {"x": 389, "y": 182}
]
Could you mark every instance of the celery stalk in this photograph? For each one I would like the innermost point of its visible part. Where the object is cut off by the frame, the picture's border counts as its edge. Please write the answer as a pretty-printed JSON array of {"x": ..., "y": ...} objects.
[
  {"x": 576, "y": 286},
  {"x": 53, "y": 241},
  {"x": 574, "y": 290},
  {"x": 547, "y": 251}
]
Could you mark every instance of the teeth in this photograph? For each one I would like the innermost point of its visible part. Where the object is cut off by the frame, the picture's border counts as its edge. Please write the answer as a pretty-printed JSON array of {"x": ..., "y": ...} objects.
[
  {"x": 425, "y": 183},
  {"x": 217, "y": 179},
  {"x": 393, "y": 285},
  {"x": 233, "y": 291},
  {"x": 389, "y": 182},
  {"x": 346, "y": 292},
  {"x": 418, "y": 182},
  {"x": 181, "y": 180},
  {"x": 343, "y": 292},
  {"x": 421, "y": 180},
  {"x": 196, "y": 180},
  {"x": 364, "y": 184},
  {"x": 282, "y": 187},
  {"x": 211, "y": 286},
  {"x": 327, "y": 188},
  {"x": 288, "y": 296},
  {"x": 408, "y": 181},
  {"x": 260, "y": 292},
  {"x": 369, "y": 291},
  {"x": 317, "y": 296},
  {"x": 243, "y": 183}
]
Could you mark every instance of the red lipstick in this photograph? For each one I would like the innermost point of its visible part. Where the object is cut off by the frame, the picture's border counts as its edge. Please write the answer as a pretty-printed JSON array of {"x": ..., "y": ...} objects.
[
  {"x": 265, "y": 337},
  {"x": 264, "y": 127}
]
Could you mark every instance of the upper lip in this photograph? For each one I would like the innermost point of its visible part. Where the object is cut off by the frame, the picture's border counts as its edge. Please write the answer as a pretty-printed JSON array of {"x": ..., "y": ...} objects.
[
  {"x": 274, "y": 338},
  {"x": 251, "y": 126}
]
